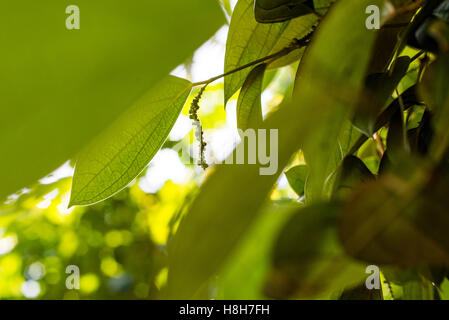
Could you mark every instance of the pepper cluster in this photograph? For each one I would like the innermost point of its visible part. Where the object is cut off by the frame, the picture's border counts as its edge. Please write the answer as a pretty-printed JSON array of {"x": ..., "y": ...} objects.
[{"x": 193, "y": 114}]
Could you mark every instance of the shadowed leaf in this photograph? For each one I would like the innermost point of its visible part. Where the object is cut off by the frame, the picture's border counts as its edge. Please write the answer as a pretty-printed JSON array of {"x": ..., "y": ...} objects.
[{"x": 308, "y": 261}]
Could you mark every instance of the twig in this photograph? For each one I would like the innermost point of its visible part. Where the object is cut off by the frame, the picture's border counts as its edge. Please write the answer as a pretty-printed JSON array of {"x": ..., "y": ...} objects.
[{"x": 296, "y": 44}]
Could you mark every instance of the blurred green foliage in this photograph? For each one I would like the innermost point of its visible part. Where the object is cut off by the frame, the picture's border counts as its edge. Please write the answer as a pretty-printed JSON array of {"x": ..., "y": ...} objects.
[{"x": 362, "y": 178}]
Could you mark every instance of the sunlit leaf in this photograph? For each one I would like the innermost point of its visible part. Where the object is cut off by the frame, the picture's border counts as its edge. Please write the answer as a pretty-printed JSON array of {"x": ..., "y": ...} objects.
[
  {"x": 59, "y": 88},
  {"x": 249, "y": 107},
  {"x": 249, "y": 40},
  {"x": 120, "y": 153}
]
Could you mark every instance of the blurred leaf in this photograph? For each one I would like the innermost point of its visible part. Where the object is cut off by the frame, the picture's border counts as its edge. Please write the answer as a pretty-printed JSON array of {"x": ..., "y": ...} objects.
[
  {"x": 296, "y": 177},
  {"x": 347, "y": 137},
  {"x": 424, "y": 134},
  {"x": 378, "y": 89},
  {"x": 361, "y": 292},
  {"x": 435, "y": 91},
  {"x": 250, "y": 262},
  {"x": 217, "y": 220},
  {"x": 444, "y": 289},
  {"x": 321, "y": 6},
  {"x": 249, "y": 40},
  {"x": 397, "y": 140},
  {"x": 390, "y": 221},
  {"x": 249, "y": 107},
  {"x": 59, "y": 88},
  {"x": 121, "y": 152},
  {"x": 418, "y": 290},
  {"x": 308, "y": 261},
  {"x": 352, "y": 173}
]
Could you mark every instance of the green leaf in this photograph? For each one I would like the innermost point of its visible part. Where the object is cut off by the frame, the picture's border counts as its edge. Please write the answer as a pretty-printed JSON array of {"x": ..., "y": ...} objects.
[
  {"x": 378, "y": 89},
  {"x": 296, "y": 177},
  {"x": 217, "y": 220},
  {"x": 60, "y": 88},
  {"x": 250, "y": 262},
  {"x": 122, "y": 151},
  {"x": 249, "y": 107},
  {"x": 320, "y": 151},
  {"x": 249, "y": 40},
  {"x": 308, "y": 261}
]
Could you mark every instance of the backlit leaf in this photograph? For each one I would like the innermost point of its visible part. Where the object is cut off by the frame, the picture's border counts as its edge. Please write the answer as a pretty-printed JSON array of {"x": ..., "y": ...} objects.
[
  {"x": 120, "y": 153},
  {"x": 249, "y": 40},
  {"x": 60, "y": 88},
  {"x": 249, "y": 107}
]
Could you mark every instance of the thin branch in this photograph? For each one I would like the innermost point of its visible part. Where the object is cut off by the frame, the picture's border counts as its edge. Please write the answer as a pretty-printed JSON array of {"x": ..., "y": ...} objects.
[{"x": 296, "y": 44}]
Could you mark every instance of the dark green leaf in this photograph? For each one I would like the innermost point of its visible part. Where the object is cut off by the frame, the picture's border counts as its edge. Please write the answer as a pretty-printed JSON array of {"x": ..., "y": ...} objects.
[
  {"x": 397, "y": 140},
  {"x": 352, "y": 173},
  {"x": 307, "y": 259},
  {"x": 270, "y": 11},
  {"x": 378, "y": 89},
  {"x": 391, "y": 221}
]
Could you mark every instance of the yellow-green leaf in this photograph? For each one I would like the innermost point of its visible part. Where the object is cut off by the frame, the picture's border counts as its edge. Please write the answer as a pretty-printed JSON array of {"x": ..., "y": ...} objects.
[
  {"x": 249, "y": 107},
  {"x": 249, "y": 40},
  {"x": 60, "y": 88}
]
